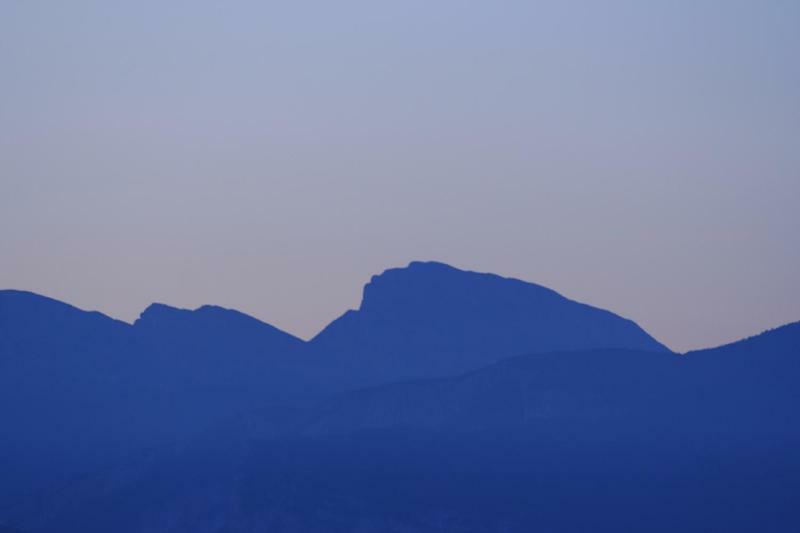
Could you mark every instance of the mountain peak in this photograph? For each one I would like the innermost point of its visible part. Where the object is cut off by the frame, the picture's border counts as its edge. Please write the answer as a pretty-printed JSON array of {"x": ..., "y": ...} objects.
[
  {"x": 430, "y": 319},
  {"x": 157, "y": 311},
  {"x": 207, "y": 319},
  {"x": 18, "y": 306},
  {"x": 163, "y": 312},
  {"x": 430, "y": 265},
  {"x": 426, "y": 283}
]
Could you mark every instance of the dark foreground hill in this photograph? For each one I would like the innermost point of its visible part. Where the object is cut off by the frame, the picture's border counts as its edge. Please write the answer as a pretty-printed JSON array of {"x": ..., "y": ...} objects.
[
  {"x": 600, "y": 440},
  {"x": 543, "y": 480}
]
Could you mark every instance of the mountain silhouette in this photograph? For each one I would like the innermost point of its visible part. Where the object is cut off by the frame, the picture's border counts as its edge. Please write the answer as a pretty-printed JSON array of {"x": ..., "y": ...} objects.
[
  {"x": 33, "y": 325},
  {"x": 450, "y": 400},
  {"x": 79, "y": 389},
  {"x": 211, "y": 328},
  {"x": 430, "y": 319}
]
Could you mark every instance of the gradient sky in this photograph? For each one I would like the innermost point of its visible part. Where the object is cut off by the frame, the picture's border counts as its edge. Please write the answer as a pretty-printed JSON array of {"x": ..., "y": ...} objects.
[{"x": 271, "y": 156}]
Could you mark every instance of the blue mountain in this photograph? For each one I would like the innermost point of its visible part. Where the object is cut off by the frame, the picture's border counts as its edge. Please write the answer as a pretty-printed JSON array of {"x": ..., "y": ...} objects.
[
  {"x": 79, "y": 389},
  {"x": 450, "y": 400},
  {"x": 430, "y": 320},
  {"x": 210, "y": 329},
  {"x": 77, "y": 384}
]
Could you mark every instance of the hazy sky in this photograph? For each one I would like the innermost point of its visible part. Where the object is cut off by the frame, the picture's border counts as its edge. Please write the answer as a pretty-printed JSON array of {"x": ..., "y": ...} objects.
[{"x": 271, "y": 156}]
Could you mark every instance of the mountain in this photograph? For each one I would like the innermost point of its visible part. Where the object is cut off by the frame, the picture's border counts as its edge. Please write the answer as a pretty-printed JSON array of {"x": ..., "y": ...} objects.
[
  {"x": 425, "y": 320},
  {"x": 34, "y": 326},
  {"x": 449, "y": 400},
  {"x": 211, "y": 329},
  {"x": 79, "y": 389},
  {"x": 73, "y": 381},
  {"x": 60, "y": 369},
  {"x": 431, "y": 320},
  {"x": 216, "y": 349},
  {"x": 778, "y": 346},
  {"x": 754, "y": 381}
]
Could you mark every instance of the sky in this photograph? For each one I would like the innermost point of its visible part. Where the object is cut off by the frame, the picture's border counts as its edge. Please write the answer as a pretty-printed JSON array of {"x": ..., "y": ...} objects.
[{"x": 643, "y": 157}]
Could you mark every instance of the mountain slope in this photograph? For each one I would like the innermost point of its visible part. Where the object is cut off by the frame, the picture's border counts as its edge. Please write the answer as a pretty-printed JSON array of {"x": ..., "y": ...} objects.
[
  {"x": 755, "y": 379},
  {"x": 78, "y": 389},
  {"x": 219, "y": 349},
  {"x": 519, "y": 391}
]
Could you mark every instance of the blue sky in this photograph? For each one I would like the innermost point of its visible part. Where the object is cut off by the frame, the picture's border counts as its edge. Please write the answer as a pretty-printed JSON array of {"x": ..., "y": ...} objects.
[{"x": 643, "y": 157}]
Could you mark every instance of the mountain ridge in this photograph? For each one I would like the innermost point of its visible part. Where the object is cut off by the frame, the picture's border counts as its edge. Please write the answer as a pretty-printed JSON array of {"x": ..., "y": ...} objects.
[{"x": 453, "y": 357}]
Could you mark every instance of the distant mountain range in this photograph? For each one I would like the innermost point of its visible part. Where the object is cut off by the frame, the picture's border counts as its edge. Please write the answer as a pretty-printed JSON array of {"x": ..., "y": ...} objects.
[{"x": 98, "y": 415}]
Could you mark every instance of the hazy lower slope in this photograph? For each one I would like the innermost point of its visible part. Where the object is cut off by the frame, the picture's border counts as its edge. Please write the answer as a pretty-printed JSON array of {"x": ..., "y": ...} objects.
[
  {"x": 209, "y": 420},
  {"x": 410, "y": 481},
  {"x": 599, "y": 440},
  {"x": 748, "y": 386},
  {"x": 609, "y": 385}
]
